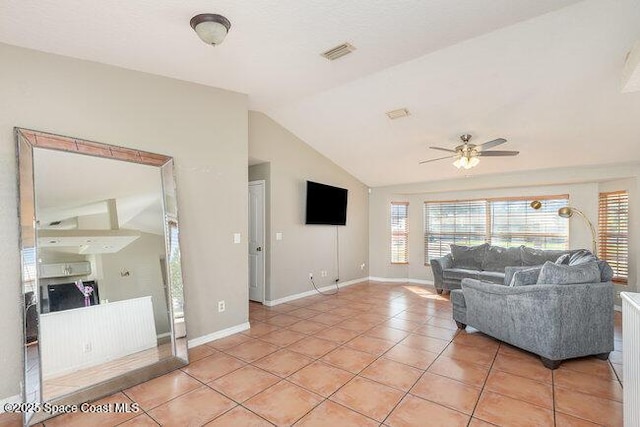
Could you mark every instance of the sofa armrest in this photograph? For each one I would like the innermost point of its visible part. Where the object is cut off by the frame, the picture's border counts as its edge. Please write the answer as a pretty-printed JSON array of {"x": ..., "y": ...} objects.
[
  {"x": 438, "y": 265},
  {"x": 554, "y": 321}
]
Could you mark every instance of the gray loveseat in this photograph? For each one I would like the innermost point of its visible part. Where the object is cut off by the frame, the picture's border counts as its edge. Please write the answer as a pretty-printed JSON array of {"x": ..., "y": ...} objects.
[
  {"x": 486, "y": 263},
  {"x": 545, "y": 313}
]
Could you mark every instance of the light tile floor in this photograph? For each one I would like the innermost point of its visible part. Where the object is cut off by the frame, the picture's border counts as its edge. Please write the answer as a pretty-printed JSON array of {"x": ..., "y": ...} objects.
[{"x": 373, "y": 355}]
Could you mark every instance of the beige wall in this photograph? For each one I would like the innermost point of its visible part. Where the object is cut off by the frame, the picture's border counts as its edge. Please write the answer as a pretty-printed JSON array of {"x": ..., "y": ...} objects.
[
  {"x": 304, "y": 248},
  {"x": 203, "y": 128},
  {"x": 582, "y": 185},
  {"x": 142, "y": 260}
]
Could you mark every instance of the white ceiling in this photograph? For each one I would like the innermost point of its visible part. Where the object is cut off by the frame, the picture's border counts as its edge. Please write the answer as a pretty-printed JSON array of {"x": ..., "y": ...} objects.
[
  {"x": 542, "y": 73},
  {"x": 70, "y": 185}
]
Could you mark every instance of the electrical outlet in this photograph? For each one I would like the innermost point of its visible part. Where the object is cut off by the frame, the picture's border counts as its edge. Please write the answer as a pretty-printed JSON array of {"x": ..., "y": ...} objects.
[
  {"x": 362, "y": 266},
  {"x": 86, "y": 347},
  {"x": 221, "y": 306},
  {"x": 310, "y": 275},
  {"x": 323, "y": 273}
]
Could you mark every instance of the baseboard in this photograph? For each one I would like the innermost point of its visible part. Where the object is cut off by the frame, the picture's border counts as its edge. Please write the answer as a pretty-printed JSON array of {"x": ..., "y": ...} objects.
[
  {"x": 9, "y": 400},
  {"x": 401, "y": 280},
  {"x": 166, "y": 334},
  {"x": 217, "y": 335},
  {"x": 313, "y": 292},
  {"x": 617, "y": 307}
]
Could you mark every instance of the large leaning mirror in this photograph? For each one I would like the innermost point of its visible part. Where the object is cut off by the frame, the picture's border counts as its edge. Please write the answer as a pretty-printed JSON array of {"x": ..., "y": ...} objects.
[{"x": 101, "y": 276}]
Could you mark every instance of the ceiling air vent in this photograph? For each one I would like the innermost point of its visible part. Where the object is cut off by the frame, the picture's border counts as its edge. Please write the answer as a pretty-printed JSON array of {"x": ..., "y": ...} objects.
[
  {"x": 398, "y": 114},
  {"x": 338, "y": 51}
]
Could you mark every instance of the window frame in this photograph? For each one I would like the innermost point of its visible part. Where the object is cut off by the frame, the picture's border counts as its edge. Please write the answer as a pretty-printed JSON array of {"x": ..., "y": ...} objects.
[{"x": 404, "y": 234}]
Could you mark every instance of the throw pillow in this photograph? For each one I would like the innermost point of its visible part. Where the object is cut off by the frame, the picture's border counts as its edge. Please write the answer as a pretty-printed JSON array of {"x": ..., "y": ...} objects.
[
  {"x": 606, "y": 272},
  {"x": 526, "y": 277},
  {"x": 554, "y": 274},
  {"x": 581, "y": 257},
  {"x": 497, "y": 258},
  {"x": 533, "y": 257},
  {"x": 469, "y": 257}
]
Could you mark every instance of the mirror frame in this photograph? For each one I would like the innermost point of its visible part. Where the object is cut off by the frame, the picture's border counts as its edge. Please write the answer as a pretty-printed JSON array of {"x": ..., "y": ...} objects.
[{"x": 26, "y": 141}]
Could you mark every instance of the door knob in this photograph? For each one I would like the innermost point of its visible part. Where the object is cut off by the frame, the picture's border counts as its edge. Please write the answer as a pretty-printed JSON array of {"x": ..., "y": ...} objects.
[{"x": 259, "y": 249}]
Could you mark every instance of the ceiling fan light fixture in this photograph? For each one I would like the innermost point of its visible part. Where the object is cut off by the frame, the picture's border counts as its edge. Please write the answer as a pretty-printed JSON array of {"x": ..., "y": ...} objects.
[
  {"x": 210, "y": 27},
  {"x": 473, "y": 162}
]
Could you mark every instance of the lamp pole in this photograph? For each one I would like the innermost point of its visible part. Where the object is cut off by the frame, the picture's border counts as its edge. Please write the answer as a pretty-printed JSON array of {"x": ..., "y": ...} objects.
[{"x": 594, "y": 241}]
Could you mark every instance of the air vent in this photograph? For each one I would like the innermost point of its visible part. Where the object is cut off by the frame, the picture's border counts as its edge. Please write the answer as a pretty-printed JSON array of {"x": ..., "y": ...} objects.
[
  {"x": 338, "y": 51},
  {"x": 398, "y": 114}
]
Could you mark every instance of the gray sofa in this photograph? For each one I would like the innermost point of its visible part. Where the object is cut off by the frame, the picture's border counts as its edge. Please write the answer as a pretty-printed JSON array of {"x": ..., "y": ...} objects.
[
  {"x": 554, "y": 321},
  {"x": 486, "y": 263}
]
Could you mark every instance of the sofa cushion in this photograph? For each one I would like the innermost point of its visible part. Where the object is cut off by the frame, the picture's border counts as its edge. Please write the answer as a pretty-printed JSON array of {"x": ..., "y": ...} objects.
[
  {"x": 533, "y": 257},
  {"x": 459, "y": 273},
  {"x": 554, "y": 274},
  {"x": 526, "y": 277},
  {"x": 469, "y": 257},
  {"x": 497, "y": 258},
  {"x": 492, "y": 276}
]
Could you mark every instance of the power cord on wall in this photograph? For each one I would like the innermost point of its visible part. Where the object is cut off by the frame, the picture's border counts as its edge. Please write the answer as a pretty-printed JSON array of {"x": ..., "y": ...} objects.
[
  {"x": 338, "y": 269},
  {"x": 324, "y": 293}
]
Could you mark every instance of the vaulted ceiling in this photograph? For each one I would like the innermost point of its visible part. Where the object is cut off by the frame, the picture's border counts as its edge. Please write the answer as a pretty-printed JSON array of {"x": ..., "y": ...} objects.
[{"x": 544, "y": 74}]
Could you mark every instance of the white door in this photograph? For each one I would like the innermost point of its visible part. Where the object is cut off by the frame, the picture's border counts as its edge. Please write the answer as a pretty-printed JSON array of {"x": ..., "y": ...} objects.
[{"x": 256, "y": 241}]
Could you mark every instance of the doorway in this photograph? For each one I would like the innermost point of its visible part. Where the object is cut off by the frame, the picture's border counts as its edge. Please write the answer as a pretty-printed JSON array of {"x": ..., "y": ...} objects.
[{"x": 256, "y": 241}]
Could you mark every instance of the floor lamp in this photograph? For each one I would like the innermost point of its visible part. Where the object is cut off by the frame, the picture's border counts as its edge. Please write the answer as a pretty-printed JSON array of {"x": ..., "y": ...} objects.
[{"x": 568, "y": 211}]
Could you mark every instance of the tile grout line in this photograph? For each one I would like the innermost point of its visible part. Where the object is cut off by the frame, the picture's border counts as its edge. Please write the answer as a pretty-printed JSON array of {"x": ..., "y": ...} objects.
[
  {"x": 484, "y": 383},
  {"x": 419, "y": 378}
]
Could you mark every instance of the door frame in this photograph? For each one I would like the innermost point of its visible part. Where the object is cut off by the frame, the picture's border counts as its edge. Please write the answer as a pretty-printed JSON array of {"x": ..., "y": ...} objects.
[{"x": 262, "y": 183}]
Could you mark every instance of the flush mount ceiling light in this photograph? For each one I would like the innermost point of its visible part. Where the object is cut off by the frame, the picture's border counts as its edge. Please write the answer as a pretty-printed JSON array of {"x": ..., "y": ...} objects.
[{"x": 210, "y": 27}]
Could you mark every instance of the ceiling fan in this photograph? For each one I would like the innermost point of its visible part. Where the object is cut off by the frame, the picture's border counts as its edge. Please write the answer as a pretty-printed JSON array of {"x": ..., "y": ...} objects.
[{"x": 467, "y": 155}]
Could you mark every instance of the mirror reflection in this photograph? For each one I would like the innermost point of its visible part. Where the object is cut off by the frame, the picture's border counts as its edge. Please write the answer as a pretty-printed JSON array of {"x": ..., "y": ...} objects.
[
  {"x": 102, "y": 282},
  {"x": 101, "y": 263}
]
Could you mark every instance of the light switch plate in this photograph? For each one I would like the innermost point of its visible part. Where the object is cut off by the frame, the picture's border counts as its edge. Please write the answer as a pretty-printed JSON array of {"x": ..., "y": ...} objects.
[
  {"x": 236, "y": 237},
  {"x": 278, "y": 236}
]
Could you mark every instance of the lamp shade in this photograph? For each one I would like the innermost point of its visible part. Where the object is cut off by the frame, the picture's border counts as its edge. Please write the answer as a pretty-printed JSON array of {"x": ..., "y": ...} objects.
[
  {"x": 565, "y": 212},
  {"x": 211, "y": 28}
]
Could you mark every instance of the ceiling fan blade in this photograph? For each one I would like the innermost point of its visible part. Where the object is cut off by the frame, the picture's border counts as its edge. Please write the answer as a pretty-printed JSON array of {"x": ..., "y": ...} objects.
[
  {"x": 490, "y": 144},
  {"x": 498, "y": 153},
  {"x": 433, "y": 160},
  {"x": 443, "y": 149}
]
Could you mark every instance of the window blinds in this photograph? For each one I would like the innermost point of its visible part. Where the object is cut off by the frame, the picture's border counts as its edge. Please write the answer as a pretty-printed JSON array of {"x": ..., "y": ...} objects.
[
  {"x": 613, "y": 232},
  {"x": 399, "y": 232}
]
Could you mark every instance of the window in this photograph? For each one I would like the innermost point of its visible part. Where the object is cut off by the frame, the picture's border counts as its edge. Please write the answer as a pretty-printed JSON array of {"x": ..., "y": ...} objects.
[
  {"x": 515, "y": 223},
  {"x": 399, "y": 230},
  {"x": 613, "y": 232},
  {"x": 459, "y": 222},
  {"x": 502, "y": 222}
]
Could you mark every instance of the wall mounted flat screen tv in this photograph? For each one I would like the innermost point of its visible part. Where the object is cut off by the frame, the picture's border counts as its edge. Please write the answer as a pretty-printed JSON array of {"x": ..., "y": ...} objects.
[{"x": 326, "y": 205}]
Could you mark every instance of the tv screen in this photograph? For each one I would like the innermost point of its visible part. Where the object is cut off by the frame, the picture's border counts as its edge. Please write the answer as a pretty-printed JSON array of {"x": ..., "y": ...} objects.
[
  {"x": 66, "y": 296},
  {"x": 326, "y": 205}
]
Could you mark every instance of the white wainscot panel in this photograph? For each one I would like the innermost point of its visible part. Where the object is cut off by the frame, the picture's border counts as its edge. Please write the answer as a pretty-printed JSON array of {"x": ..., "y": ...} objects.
[{"x": 89, "y": 336}]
